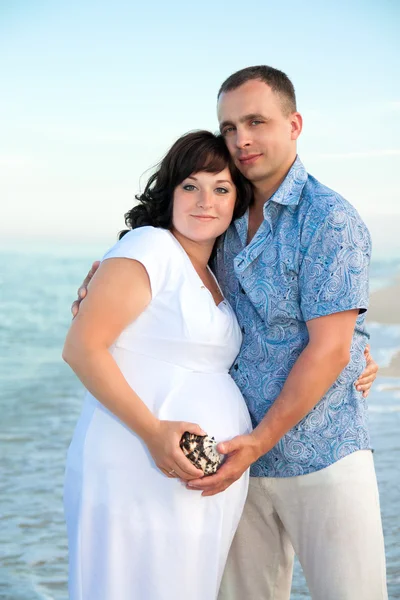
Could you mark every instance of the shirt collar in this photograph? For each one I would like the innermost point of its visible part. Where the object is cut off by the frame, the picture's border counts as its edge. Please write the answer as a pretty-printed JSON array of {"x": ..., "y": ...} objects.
[{"x": 289, "y": 192}]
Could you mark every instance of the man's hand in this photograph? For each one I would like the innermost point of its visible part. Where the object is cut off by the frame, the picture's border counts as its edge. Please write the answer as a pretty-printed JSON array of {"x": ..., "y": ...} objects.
[
  {"x": 242, "y": 451},
  {"x": 83, "y": 288},
  {"x": 367, "y": 378}
]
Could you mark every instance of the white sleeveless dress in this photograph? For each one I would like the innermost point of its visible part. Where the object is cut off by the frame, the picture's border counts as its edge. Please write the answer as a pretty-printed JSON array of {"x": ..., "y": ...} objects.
[{"x": 133, "y": 533}]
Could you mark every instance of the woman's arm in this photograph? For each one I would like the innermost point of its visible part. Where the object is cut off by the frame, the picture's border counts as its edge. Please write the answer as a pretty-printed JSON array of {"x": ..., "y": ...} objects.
[{"x": 119, "y": 292}]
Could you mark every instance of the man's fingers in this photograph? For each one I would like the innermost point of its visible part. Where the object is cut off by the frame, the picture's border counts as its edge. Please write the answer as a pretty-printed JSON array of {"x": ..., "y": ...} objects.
[
  {"x": 75, "y": 308},
  {"x": 232, "y": 445},
  {"x": 82, "y": 293},
  {"x": 211, "y": 480},
  {"x": 220, "y": 487},
  {"x": 92, "y": 271},
  {"x": 217, "y": 490},
  {"x": 89, "y": 276}
]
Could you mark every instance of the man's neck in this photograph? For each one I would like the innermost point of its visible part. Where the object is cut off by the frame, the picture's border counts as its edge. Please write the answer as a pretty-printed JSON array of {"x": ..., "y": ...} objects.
[{"x": 263, "y": 190}]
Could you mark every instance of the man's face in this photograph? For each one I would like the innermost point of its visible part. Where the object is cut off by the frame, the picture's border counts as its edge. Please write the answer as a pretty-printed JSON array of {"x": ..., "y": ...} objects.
[{"x": 260, "y": 136}]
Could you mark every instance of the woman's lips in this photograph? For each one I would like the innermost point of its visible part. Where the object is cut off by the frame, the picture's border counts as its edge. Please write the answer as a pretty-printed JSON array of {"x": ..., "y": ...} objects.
[{"x": 203, "y": 217}]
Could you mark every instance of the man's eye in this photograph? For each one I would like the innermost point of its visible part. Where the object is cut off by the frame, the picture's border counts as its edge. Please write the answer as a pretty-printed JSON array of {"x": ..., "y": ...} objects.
[
  {"x": 227, "y": 130},
  {"x": 256, "y": 122},
  {"x": 189, "y": 187}
]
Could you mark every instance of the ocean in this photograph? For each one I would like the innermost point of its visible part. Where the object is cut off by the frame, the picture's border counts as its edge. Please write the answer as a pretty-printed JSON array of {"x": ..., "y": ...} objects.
[{"x": 40, "y": 400}]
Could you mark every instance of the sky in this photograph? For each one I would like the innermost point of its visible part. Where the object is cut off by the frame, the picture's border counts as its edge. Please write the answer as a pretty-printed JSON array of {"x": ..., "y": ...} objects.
[{"x": 93, "y": 94}]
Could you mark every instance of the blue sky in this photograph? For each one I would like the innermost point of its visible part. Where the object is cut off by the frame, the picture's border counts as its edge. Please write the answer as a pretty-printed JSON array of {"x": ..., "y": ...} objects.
[{"x": 93, "y": 94}]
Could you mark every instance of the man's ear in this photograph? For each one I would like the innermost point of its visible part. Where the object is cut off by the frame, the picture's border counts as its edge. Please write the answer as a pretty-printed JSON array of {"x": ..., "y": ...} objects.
[{"x": 296, "y": 121}]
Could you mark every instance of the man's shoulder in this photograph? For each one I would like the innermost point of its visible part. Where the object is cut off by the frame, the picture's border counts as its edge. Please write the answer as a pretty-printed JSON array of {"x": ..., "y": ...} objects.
[{"x": 319, "y": 203}]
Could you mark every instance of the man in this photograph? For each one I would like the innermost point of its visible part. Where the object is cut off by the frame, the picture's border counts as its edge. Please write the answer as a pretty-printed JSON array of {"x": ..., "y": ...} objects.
[{"x": 295, "y": 268}]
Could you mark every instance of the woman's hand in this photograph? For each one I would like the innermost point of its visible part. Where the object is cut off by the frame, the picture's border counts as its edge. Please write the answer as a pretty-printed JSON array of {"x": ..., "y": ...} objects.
[
  {"x": 367, "y": 378},
  {"x": 163, "y": 444}
]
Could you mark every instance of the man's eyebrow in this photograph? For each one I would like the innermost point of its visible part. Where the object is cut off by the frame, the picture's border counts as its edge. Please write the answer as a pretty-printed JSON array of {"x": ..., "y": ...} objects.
[
  {"x": 243, "y": 119},
  {"x": 224, "y": 124}
]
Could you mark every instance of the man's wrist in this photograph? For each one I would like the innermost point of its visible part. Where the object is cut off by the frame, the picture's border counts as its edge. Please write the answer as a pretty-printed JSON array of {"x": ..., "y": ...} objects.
[
  {"x": 257, "y": 444},
  {"x": 262, "y": 440}
]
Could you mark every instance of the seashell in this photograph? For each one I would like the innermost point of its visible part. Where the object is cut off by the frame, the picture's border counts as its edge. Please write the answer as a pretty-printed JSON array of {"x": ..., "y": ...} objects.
[{"x": 201, "y": 450}]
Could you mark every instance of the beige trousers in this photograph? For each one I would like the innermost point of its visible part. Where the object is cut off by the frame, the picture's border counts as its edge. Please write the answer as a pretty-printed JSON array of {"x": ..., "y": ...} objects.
[{"x": 330, "y": 519}]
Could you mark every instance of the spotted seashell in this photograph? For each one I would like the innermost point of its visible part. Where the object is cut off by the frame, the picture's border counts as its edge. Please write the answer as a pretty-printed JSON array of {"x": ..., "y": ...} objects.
[{"x": 201, "y": 450}]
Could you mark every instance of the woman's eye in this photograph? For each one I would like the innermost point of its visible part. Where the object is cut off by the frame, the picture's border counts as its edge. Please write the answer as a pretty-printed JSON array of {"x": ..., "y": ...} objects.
[
  {"x": 221, "y": 190},
  {"x": 189, "y": 187}
]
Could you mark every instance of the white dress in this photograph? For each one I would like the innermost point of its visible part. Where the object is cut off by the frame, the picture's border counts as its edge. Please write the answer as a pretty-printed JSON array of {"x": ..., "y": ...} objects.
[{"x": 133, "y": 533}]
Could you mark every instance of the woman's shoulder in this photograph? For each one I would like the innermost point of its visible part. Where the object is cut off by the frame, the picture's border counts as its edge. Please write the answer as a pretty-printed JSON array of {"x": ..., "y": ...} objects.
[
  {"x": 144, "y": 240},
  {"x": 155, "y": 249},
  {"x": 147, "y": 235}
]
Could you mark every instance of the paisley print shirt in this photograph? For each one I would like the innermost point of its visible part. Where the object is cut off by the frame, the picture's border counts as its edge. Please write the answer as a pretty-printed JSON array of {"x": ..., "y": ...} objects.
[{"x": 308, "y": 259}]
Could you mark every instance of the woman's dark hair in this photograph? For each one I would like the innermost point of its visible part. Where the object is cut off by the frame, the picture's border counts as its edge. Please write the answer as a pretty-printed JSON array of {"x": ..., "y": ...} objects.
[{"x": 194, "y": 152}]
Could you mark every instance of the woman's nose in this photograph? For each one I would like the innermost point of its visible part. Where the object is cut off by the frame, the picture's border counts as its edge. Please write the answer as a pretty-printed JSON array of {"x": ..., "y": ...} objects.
[{"x": 205, "y": 199}]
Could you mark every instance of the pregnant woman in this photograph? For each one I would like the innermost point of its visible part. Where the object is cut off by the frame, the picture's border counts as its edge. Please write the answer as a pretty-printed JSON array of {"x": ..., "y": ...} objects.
[{"x": 153, "y": 343}]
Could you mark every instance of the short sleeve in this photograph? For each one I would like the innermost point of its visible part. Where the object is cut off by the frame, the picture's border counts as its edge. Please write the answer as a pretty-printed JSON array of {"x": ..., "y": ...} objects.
[
  {"x": 333, "y": 275},
  {"x": 151, "y": 247}
]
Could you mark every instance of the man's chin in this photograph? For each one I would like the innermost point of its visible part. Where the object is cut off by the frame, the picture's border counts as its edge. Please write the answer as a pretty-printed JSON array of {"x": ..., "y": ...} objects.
[{"x": 252, "y": 172}]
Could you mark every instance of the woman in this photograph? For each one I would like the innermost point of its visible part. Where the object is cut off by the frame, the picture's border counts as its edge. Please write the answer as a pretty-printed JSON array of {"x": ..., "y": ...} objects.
[{"x": 153, "y": 343}]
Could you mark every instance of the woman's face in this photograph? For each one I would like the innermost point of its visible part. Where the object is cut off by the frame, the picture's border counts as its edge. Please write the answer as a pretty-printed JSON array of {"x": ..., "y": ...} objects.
[{"x": 203, "y": 205}]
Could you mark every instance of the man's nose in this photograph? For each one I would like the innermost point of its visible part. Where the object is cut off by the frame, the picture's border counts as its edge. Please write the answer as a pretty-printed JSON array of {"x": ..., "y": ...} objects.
[{"x": 242, "y": 138}]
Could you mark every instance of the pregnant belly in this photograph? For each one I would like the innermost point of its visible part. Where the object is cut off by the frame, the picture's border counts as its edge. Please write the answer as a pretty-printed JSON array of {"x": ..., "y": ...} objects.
[{"x": 213, "y": 401}]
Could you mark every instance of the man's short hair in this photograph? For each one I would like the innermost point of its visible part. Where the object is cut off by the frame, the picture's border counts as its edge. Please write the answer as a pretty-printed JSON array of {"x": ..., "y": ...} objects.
[{"x": 278, "y": 81}]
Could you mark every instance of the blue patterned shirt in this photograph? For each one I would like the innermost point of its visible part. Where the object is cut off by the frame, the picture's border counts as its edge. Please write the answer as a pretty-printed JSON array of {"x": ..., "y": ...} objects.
[{"x": 308, "y": 259}]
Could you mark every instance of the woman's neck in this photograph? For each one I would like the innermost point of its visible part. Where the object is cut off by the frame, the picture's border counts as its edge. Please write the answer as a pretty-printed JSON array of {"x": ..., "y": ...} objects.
[{"x": 198, "y": 252}]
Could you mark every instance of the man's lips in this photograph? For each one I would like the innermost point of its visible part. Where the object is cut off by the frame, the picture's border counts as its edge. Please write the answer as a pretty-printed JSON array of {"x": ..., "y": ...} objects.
[{"x": 248, "y": 159}]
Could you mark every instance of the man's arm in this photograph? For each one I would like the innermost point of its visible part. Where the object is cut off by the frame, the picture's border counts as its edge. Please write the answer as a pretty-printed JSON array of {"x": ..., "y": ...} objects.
[{"x": 316, "y": 369}]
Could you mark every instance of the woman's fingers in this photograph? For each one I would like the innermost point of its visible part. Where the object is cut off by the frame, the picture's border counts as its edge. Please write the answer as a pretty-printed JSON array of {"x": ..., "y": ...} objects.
[
  {"x": 365, "y": 381},
  {"x": 187, "y": 469},
  {"x": 178, "y": 472},
  {"x": 169, "y": 474},
  {"x": 192, "y": 428}
]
